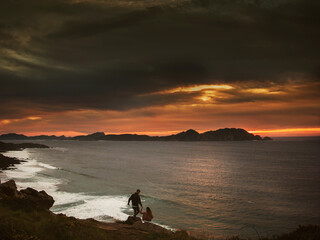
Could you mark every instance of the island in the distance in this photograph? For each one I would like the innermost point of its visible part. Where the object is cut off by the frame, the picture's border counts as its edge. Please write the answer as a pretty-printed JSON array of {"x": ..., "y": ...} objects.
[{"x": 226, "y": 134}]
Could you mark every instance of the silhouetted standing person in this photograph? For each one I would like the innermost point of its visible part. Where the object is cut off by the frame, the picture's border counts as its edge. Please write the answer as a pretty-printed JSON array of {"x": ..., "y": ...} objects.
[{"x": 136, "y": 201}]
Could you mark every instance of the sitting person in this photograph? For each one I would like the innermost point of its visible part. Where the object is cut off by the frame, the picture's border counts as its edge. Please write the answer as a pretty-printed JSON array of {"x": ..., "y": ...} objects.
[{"x": 146, "y": 216}]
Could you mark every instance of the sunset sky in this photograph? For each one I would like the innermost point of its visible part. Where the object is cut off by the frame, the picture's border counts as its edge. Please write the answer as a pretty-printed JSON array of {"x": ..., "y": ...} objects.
[{"x": 158, "y": 67}]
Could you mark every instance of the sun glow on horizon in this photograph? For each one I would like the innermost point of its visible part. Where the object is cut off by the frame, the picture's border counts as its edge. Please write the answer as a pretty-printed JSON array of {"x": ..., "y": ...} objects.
[
  {"x": 289, "y": 132},
  {"x": 197, "y": 88},
  {"x": 286, "y": 132},
  {"x": 262, "y": 91}
]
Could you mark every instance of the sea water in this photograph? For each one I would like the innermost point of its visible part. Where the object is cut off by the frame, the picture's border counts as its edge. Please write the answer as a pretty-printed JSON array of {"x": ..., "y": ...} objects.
[{"x": 219, "y": 188}]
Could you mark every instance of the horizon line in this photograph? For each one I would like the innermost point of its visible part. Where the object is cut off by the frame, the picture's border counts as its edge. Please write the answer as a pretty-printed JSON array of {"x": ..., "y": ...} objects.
[{"x": 300, "y": 132}]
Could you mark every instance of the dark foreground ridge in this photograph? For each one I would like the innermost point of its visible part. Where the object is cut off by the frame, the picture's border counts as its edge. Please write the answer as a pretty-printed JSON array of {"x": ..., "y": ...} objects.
[
  {"x": 226, "y": 134},
  {"x": 25, "y": 215},
  {"x": 7, "y": 162}
]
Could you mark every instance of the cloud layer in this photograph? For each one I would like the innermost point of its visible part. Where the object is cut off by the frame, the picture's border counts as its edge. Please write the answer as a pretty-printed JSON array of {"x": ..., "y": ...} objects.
[{"x": 61, "y": 56}]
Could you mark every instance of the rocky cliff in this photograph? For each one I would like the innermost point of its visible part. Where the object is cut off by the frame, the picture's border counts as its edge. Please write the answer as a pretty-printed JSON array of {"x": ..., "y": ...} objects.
[{"x": 28, "y": 198}]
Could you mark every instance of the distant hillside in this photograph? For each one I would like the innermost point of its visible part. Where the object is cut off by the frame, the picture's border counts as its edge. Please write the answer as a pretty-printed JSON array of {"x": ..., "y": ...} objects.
[
  {"x": 226, "y": 134},
  {"x": 15, "y": 136}
]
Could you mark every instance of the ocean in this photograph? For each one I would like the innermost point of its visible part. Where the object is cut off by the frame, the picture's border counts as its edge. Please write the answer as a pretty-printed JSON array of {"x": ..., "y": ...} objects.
[{"x": 250, "y": 188}]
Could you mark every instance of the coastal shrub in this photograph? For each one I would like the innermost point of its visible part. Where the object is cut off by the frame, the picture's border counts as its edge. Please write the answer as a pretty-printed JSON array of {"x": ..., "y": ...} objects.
[
  {"x": 35, "y": 225},
  {"x": 309, "y": 232},
  {"x": 178, "y": 235}
]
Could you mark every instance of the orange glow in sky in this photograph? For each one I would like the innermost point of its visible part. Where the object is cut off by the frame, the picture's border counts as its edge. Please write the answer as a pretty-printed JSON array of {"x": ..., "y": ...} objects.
[
  {"x": 294, "y": 132},
  {"x": 159, "y": 67},
  {"x": 196, "y": 88},
  {"x": 267, "y": 111},
  {"x": 288, "y": 132}
]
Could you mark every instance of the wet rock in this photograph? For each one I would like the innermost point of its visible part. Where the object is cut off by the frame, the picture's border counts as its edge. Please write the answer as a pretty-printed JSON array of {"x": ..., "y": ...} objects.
[
  {"x": 8, "y": 189},
  {"x": 138, "y": 224},
  {"x": 40, "y": 199},
  {"x": 26, "y": 197},
  {"x": 131, "y": 220},
  {"x": 8, "y": 162}
]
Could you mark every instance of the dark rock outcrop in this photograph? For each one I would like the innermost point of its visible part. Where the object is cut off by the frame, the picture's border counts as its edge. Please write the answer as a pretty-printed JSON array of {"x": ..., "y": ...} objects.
[
  {"x": 19, "y": 146},
  {"x": 29, "y": 197},
  {"x": 7, "y": 162},
  {"x": 267, "y": 139},
  {"x": 8, "y": 190},
  {"x": 137, "y": 223},
  {"x": 40, "y": 199},
  {"x": 131, "y": 220}
]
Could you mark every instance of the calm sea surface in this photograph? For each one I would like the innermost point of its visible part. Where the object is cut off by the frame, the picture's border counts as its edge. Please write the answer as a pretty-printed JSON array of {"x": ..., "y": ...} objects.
[{"x": 220, "y": 188}]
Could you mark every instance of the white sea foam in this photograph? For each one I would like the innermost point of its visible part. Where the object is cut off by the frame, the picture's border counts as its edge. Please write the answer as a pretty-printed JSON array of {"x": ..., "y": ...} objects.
[
  {"x": 98, "y": 207},
  {"x": 27, "y": 169},
  {"x": 62, "y": 149},
  {"x": 40, "y": 183},
  {"x": 48, "y": 166},
  {"x": 24, "y": 170},
  {"x": 22, "y": 155},
  {"x": 62, "y": 197},
  {"x": 79, "y": 205}
]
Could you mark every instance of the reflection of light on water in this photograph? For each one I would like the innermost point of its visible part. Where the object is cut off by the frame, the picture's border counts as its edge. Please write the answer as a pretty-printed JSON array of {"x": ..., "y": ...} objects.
[{"x": 202, "y": 172}]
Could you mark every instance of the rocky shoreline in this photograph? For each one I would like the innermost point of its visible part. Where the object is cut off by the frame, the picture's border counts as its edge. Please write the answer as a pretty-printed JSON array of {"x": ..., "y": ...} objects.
[
  {"x": 8, "y": 162},
  {"x": 25, "y": 215},
  {"x": 29, "y": 202}
]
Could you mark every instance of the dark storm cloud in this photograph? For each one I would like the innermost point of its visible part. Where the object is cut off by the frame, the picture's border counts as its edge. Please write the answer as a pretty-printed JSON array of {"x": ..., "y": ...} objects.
[
  {"x": 83, "y": 27},
  {"x": 63, "y": 55}
]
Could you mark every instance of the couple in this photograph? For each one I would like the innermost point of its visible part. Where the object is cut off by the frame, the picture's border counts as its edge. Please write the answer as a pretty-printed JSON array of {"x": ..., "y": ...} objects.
[{"x": 136, "y": 201}]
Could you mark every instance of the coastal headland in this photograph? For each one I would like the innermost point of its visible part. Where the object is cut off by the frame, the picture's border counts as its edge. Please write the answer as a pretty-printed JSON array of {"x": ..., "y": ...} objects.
[{"x": 6, "y": 162}]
